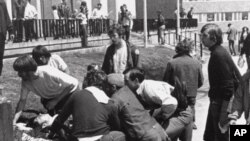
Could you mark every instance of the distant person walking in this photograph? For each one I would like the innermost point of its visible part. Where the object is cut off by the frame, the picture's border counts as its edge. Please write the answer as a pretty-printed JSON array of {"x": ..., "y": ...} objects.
[
  {"x": 161, "y": 27},
  {"x": 232, "y": 32},
  {"x": 190, "y": 13},
  {"x": 5, "y": 25}
]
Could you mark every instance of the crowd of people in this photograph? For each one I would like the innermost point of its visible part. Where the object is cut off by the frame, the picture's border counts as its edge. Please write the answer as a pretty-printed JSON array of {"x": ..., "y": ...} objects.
[{"x": 117, "y": 102}]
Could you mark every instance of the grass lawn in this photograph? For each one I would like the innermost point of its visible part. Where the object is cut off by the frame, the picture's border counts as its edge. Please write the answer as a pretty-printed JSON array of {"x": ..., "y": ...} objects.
[{"x": 152, "y": 60}]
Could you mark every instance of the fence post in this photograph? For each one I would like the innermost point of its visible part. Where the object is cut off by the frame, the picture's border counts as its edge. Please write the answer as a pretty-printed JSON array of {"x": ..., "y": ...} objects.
[
  {"x": 6, "y": 127},
  {"x": 195, "y": 41},
  {"x": 201, "y": 50}
]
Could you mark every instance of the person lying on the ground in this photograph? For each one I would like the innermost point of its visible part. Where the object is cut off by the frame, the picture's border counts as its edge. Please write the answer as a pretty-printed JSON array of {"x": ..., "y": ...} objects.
[
  {"x": 241, "y": 101},
  {"x": 43, "y": 57},
  {"x": 136, "y": 122},
  {"x": 163, "y": 98},
  {"x": 94, "y": 117},
  {"x": 53, "y": 86}
]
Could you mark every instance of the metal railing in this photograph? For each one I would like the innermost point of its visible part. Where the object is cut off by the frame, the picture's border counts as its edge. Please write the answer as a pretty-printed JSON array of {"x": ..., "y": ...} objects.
[{"x": 29, "y": 30}]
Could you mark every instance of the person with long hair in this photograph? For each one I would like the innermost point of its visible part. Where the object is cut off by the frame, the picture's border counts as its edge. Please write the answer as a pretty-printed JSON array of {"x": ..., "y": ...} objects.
[{"x": 243, "y": 36}]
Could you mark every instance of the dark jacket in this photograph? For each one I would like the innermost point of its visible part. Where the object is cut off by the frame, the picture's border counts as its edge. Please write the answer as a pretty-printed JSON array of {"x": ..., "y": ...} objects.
[
  {"x": 108, "y": 63},
  {"x": 246, "y": 46},
  {"x": 186, "y": 69},
  {"x": 5, "y": 23},
  {"x": 134, "y": 118},
  {"x": 241, "y": 102},
  {"x": 222, "y": 72},
  {"x": 90, "y": 118}
]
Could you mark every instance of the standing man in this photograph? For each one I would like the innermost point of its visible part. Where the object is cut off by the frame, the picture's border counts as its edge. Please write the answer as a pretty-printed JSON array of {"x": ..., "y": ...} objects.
[
  {"x": 5, "y": 25},
  {"x": 63, "y": 10},
  {"x": 124, "y": 19},
  {"x": 222, "y": 72},
  {"x": 232, "y": 33},
  {"x": 187, "y": 69},
  {"x": 18, "y": 19},
  {"x": 30, "y": 14},
  {"x": 161, "y": 27},
  {"x": 190, "y": 13},
  {"x": 98, "y": 14},
  {"x": 118, "y": 56}
]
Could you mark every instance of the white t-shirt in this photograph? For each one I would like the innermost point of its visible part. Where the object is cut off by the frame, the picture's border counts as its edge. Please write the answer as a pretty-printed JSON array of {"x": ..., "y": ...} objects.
[
  {"x": 55, "y": 14},
  {"x": 120, "y": 58},
  {"x": 30, "y": 12},
  {"x": 152, "y": 91},
  {"x": 57, "y": 62},
  {"x": 98, "y": 14},
  {"x": 50, "y": 82}
]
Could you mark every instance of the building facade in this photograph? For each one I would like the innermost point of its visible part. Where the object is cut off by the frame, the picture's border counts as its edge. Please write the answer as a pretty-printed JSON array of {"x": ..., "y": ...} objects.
[{"x": 222, "y": 12}]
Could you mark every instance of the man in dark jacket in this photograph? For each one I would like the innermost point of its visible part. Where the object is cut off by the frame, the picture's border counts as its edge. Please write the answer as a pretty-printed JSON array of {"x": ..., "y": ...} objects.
[
  {"x": 222, "y": 74},
  {"x": 187, "y": 69},
  {"x": 118, "y": 55},
  {"x": 5, "y": 24}
]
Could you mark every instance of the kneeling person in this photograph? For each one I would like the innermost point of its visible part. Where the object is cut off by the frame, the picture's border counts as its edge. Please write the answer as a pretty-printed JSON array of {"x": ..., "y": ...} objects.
[{"x": 53, "y": 86}]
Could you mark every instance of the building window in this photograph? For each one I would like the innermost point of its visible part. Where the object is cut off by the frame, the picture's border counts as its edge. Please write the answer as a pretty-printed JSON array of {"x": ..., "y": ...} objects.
[
  {"x": 244, "y": 15},
  {"x": 228, "y": 16},
  {"x": 210, "y": 17}
]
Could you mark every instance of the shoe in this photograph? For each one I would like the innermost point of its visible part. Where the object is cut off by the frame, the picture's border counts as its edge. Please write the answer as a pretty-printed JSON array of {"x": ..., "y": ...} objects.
[{"x": 194, "y": 126}]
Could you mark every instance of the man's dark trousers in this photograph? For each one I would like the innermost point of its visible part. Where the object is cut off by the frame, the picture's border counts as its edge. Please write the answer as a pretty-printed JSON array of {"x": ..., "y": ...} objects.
[{"x": 2, "y": 47}]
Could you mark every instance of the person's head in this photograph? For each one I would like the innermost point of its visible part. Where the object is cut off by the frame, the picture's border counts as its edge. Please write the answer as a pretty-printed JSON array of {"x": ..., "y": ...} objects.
[
  {"x": 41, "y": 55},
  {"x": 99, "y": 5},
  {"x": 245, "y": 29},
  {"x": 133, "y": 77},
  {"x": 125, "y": 6},
  {"x": 122, "y": 8},
  {"x": 75, "y": 11},
  {"x": 115, "y": 34},
  {"x": 54, "y": 7},
  {"x": 96, "y": 78},
  {"x": 191, "y": 8},
  {"x": 115, "y": 81},
  {"x": 211, "y": 35},
  {"x": 92, "y": 67},
  {"x": 83, "y": 3},
  {"x": 229, "y": 25},
  {"x": 25, "y": 66},
  {"x": 184, "y": 47}
]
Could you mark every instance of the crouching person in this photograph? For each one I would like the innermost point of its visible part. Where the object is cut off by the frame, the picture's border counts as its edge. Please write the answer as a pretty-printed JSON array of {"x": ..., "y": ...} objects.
[
  {"x": 94, "y": 115},
  {"x": 136, "y": 122},
  {"x": 175, "y": 119},
  {"x": 52, "y": 85}
]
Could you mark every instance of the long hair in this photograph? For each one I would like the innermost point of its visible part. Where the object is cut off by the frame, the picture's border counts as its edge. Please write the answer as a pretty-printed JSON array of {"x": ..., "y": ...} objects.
[
  {"x": 214, "y": 32},
  {"x": 180, "y": 93}
]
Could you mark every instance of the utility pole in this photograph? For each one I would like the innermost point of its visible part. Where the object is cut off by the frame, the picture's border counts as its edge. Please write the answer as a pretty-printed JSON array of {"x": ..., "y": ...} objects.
[
  {"x": 145, "y": 24},
  {"x": 178, "y": 19}
]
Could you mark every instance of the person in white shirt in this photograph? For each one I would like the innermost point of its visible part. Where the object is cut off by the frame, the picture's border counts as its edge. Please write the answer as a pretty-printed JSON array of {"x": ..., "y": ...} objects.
[
  {"x": 53, "y": 86},
  {"x": 98, "y": 15},
  {"x": 55, "y": 12},
  {"x": 43, "y": 57},
  {"x": 30, "y": 14},
  {"x": 125, "y": 19},
  {"x": 98, "y": 12}
]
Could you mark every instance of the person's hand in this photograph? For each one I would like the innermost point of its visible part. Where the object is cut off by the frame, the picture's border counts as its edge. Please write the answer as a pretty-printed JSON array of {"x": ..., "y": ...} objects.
[{"x": 232, "y": 122}]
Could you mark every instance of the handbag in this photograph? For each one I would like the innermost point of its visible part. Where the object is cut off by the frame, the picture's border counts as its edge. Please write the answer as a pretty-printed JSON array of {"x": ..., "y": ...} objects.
[{"x": 241, "y": 62}]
